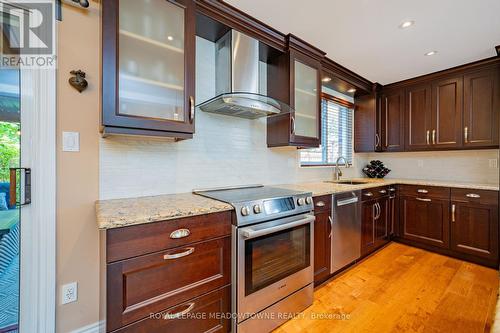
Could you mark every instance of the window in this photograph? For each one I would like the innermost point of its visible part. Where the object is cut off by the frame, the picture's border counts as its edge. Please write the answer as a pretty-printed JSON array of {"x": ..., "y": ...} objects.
[{"x": 336, "y": 133}]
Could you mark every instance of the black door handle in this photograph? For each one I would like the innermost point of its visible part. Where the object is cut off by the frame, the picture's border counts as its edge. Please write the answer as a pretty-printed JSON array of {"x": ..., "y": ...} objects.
[{"x": 13, "y": 187}]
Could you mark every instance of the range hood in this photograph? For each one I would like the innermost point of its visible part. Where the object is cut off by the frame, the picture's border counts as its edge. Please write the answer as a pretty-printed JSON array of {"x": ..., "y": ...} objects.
[{"x": 237, "y": 80}]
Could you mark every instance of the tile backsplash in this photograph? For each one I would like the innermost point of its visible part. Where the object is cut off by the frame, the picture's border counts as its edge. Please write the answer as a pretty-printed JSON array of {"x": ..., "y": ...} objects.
[{"x": 462, "y": 166}]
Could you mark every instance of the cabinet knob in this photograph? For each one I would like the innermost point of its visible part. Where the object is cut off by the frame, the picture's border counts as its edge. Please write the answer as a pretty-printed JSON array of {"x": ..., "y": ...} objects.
[
  {"x": 320, "y": 204},
  {"x": 422, "y": 191},
  {"x": 473, "y": 195},
  {"x": 369, "y": 194},
  {"x": 180, "y": 233}
]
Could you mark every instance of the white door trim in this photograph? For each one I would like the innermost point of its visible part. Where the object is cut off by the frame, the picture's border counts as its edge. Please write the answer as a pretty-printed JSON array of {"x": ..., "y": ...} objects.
[{"x": 38, "y": 220}]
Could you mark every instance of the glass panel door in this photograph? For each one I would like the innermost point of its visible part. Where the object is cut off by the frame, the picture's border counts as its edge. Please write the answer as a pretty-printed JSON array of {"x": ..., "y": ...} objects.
[
  {"x": 151, "y": 59},
  {"x": 273, "y": 257},
  {"x": 9, "y": 158},
  {"x": 306, "y": 100}
]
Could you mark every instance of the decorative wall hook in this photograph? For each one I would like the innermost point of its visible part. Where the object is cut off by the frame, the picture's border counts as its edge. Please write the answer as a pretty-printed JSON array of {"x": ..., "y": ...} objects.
[{"x": 78, "y": 81}]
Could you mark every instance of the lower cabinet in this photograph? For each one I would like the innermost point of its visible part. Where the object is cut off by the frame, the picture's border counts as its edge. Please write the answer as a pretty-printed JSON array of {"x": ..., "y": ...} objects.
[
  {"x": 207, "y": 313},
  {"x": 161, "y": 280},
  {"x": 322, "y": 238},
  {"x": 375, "y": 214},
  {"x": 474, "y": 223},
  {"x": 425, "y": 220},
  {"x": 462, "y": 223}
]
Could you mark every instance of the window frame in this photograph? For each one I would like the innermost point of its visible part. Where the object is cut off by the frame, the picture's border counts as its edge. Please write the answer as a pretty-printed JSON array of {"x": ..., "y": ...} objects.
[{"x": 343, "y": 103}]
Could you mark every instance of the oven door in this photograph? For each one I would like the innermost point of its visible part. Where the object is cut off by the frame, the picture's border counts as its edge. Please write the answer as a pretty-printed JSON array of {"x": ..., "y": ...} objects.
[{"x": 275, "y": 259}]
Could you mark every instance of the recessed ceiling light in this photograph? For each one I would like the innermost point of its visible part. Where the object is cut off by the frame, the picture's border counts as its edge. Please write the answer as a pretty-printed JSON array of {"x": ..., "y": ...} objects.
[
  {"x": 351, "y": 90},
  {"x": 406, "y": 24},
  {"x": 326, "y": 79},
  {"x": 431, "y": 53},
  {"x": 170, "y": 38}
]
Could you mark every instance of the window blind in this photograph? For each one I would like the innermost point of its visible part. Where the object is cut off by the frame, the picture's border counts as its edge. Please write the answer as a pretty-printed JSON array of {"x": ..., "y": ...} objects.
[{"x": 336, "y": 136}]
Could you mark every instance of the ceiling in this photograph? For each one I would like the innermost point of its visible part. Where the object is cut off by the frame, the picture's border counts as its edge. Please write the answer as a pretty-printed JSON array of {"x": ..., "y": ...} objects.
[{"x": 364, "y": 35}]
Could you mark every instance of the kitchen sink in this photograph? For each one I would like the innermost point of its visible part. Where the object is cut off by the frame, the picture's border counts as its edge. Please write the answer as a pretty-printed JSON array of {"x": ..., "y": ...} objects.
[{"x": 346, "y": 182}]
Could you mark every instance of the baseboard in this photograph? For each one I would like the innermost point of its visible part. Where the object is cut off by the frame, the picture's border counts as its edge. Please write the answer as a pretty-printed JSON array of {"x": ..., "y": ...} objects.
[{"x": 96, "y": 327}]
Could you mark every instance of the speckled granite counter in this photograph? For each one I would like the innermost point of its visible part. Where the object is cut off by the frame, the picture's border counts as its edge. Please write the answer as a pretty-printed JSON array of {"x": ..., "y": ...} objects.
[
  {"x": 123, "y": 212},
  {"x": 324, "y": 188}
]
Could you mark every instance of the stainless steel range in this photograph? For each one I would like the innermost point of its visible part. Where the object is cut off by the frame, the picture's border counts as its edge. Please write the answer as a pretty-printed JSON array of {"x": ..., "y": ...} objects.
[{"x": 272, "y": 254}]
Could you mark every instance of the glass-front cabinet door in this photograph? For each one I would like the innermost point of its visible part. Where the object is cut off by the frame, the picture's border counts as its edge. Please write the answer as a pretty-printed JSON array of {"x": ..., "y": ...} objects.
[
  {"x": 306, "y": 120},
  {"x": 148, "y": 67}
]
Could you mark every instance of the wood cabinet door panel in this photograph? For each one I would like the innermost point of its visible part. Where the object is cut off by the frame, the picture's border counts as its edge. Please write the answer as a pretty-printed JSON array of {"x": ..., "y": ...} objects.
[
  {"x": 205, "y": 315},
  {"x": 322, "y": 246},
  {"x": 419, "y": 117},
  {"x": 393, "y": 111},
  {"x": 151, "y": 283},
  {"x": 481, "y": 108},
  {"x": 447, "y": 106},
  {"x": 474, "y": 229},
  {"x": 367, "y": 227},
  {"x": 425, "y": 221}
]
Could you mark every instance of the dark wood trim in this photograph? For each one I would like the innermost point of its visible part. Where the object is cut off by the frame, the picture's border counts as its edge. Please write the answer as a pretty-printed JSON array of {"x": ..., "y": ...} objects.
[
  {"x": 347, "y": 75},
  {"x": 297, "y": 44},
  {"x": 236, "y": 19},
  {"x": 111, "y": 130},
  {"x": 480, "y": 64},
  {"x": 337, "y": 100}
]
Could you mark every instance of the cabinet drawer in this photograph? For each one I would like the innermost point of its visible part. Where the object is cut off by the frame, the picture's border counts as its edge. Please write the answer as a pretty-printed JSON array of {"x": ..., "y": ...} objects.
[
  {"x": 425, "y": 191},
  {"x": 202, "y": 314},
  {"x": 133, "y": 241},
  {"x": 322, "y": 203},
  {"x": 374, "y": 193},
  {"x": 482, "y": 197},
  {"x": 148, "y": 284}
]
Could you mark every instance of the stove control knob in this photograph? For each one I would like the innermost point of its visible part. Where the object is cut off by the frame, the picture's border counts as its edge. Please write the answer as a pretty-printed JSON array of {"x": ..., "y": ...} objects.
[
  {"x": 257, "y": 209},
  {"x": 301, "y": 201},
  {"x": 309, "y": 200},
  {"x": 245, "y": 211}
]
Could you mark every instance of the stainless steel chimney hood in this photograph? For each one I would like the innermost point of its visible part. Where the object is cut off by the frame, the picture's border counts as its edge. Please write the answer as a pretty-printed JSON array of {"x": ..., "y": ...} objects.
[{"x": 237, "y": 81}]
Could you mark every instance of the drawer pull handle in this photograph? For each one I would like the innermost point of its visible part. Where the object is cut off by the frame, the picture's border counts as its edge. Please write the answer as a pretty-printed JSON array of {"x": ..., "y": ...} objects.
[
  {"x": 382, "y": 191},
  {"x": 453, "y": 209},
  {"x": 320, "y": 204},
  {"x": 392, "y": 189},
  {"x": 331, "y": 226},
  {"x": 369, "y": 194},
  {"x": 426, "y": 200},
  {"x": 188, "y": 251},
  {"x": 180, "y": 233},
  {"x": 180, "y": 313},
  {"x": 473, "y": 195},
  {"x": 422, "y": 191}
]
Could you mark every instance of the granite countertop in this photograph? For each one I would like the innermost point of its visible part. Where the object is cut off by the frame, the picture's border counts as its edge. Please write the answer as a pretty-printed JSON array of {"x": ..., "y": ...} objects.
[{"x": 124, "y": 212}]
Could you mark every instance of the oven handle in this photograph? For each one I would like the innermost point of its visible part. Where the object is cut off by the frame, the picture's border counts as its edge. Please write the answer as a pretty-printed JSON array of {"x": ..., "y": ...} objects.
[{"x": 252, "y": 233}]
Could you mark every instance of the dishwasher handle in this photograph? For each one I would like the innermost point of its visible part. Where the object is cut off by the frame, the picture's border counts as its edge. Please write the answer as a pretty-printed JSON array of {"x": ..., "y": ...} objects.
[{"x": 349, "y": 201}]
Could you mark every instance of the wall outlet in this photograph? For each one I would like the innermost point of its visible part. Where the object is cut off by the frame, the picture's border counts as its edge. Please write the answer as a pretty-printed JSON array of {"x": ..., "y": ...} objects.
[
  {"x": 420, "y": 163},
  {"x": 69, "y": 293},
  {"x": 493, "y": 163}
]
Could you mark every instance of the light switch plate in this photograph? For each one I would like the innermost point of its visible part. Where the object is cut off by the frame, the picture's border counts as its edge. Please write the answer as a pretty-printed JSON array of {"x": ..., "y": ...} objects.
[{"x": 70, "y": 141}]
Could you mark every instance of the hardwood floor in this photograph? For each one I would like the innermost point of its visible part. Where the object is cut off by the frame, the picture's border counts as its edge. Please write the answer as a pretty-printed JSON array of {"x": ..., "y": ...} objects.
[{"x": 403, "y": 289}]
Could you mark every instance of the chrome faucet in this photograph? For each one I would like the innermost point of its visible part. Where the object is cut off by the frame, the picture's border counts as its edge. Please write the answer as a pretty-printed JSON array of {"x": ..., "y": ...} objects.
[{"x": 337, "y": 173}]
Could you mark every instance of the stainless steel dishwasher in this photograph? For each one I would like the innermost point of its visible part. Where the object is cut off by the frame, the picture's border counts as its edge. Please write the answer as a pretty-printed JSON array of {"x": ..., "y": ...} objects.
[{"x": 346, "y": 229}]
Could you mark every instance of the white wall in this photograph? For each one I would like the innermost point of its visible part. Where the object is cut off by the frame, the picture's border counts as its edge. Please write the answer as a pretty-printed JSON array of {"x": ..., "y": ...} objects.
[{"x": 462, "y": 166}]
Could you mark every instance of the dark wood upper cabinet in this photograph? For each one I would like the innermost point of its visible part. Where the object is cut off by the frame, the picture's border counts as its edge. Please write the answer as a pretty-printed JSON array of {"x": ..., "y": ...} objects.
[
  {"x": 418, "y": 117},
  {"x": 447, "y": 106},
  {"x": 148, "y": 68},
  {"x": 392, "y": 115},
  {"x": 294, "y": 77},
  {"x": 481, "y": 108}
]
